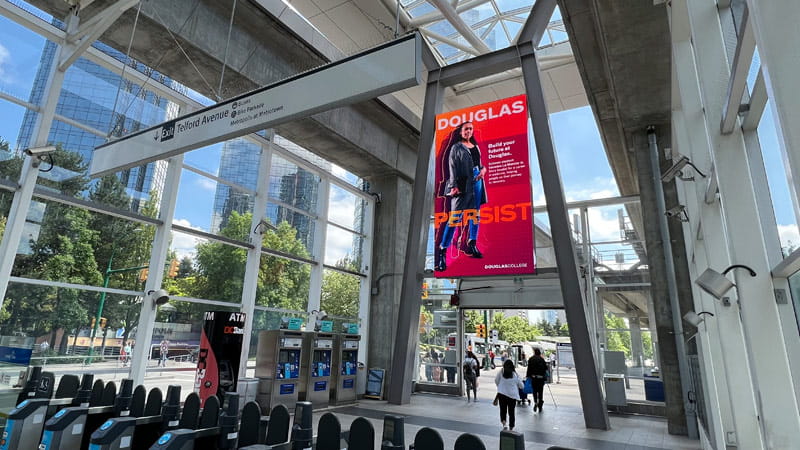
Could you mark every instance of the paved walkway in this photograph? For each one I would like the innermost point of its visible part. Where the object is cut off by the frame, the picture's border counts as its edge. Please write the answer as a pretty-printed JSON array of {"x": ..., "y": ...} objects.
[{"x": 561, "y": 425}]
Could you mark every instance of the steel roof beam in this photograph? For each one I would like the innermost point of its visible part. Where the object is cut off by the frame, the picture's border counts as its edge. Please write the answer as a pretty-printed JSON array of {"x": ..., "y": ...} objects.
[
  {"x": 458, "y": 23},
  {"x": 433, "y": 16},
  {"x": 537, "y": 22}
]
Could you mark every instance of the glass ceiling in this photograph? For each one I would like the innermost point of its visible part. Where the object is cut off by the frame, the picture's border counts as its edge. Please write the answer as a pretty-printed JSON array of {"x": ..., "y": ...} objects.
[{"x": 496, "y": 23}]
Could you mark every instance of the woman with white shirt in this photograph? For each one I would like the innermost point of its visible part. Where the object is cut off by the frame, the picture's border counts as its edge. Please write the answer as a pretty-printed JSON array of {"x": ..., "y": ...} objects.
[{"x": 508, "y": 386}]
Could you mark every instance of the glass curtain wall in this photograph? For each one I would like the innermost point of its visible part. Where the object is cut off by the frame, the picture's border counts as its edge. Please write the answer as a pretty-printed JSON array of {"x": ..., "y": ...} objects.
[{"x": 80, "y": 269}]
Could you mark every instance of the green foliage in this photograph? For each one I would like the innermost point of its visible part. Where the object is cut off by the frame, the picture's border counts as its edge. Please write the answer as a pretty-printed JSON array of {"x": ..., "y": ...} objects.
[
  {"x": 426, "y": 329},
  {"x": 340, "y": 291},
  {"x": 471, "y": 320},
  {"x": 186, "y": 267},
  {"x": 283, "y": 283},
  {"x": 220, "y": 267},
  {"x": 513, "y": 329},
  {"x": 617, "y": 340}
]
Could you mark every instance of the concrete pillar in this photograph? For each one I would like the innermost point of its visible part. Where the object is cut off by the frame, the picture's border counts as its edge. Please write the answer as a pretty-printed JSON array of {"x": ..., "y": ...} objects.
[
  {"x": 662, "y": 312},
  {"x": 388, "y": 258},
  {"x": 636, "y": 341}
]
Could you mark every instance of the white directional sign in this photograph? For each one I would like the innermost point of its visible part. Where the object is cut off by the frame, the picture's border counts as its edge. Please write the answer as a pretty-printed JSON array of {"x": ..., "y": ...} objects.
[{"x": 388, "y": 68}]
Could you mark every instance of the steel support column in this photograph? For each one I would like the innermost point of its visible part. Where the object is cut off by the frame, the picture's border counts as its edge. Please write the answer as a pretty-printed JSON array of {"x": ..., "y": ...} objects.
[
  {"x": 594, "y": 405},
  {"x": 407, "y": 334},
  {"x": 158, "y": 257},
  {"x": 30, "y": 168},
  {"x": 320, "y": 236},
  {"x": 253, "y": 264}
]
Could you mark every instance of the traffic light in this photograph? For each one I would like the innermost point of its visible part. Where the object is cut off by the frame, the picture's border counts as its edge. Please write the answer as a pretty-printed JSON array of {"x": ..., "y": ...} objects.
[
  {"x": 103, "y": 322},
  {"x": 424, "y": 290},
  {"x": 173, "y": 268},
  {"x": 480, "y": 330},
  {"x": 94, "y": 321},
  {"x": 143, "y": 274}
]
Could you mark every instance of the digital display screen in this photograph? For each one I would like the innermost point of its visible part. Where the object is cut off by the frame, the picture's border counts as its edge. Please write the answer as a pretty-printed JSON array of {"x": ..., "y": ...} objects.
[{"x": 483, "y": 209}]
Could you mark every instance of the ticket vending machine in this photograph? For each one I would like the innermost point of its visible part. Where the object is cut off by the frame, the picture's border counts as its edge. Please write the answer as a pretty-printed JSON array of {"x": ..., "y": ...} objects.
[
  {"x": 345, "y": 365},
  {"x": 315, "y": 371},
  {"x": 278, "y": 360}
]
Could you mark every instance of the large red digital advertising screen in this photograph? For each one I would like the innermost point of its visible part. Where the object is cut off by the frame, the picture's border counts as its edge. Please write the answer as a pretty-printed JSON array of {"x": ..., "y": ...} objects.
[{"x": 483, "y": 222}]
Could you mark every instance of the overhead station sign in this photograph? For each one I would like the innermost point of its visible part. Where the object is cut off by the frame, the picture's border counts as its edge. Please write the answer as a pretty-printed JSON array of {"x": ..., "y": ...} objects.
[{"x": 378, "y": 71}]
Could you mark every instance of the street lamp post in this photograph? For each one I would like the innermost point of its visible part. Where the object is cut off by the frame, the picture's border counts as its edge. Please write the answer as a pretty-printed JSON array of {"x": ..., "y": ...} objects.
[{"x": 102, "y": 303}]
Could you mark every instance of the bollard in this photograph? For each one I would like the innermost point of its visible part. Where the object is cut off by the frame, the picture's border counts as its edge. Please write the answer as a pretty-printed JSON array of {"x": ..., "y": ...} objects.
[
  {"x": 511, "y": 440},
  {"x": 329, "y": 433},
  {"x": 303, "y": 428},
  {"x": 393, "y": 433},
  {"x": 122, "y": 403},
  {"x": 229, "y": 422},
  {"x": 428, "y": 439}
]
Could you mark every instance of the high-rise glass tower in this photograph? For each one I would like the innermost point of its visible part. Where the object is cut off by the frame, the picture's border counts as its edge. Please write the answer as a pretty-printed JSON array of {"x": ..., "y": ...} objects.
[
  {"x": 293, "y": 191},
  {"x": 103, "y": 100}
]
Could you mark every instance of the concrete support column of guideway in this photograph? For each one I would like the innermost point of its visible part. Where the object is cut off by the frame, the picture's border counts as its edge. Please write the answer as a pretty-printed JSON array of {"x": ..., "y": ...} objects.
[
  {"x": 636, "y": 340},
  {"x": 388, "y": 259},
  {"x": 407, "y": 334},
  {"x": 659, "y": 289}
]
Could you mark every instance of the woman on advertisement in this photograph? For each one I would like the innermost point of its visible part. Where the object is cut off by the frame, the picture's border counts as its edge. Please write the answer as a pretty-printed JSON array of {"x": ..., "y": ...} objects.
[{"x": 464, "y": 187}]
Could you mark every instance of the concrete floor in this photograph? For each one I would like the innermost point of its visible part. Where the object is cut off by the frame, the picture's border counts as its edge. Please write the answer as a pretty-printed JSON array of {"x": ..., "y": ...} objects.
[{"x": 561, "y": 425}]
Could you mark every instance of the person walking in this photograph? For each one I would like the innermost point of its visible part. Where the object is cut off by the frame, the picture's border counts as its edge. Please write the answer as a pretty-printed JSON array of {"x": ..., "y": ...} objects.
[
  {"x": 127, "y": 354},
  {"x": 508, "y": 386},
  {"x": 537, "y": 372},
  {"x": 163, "y": 353},
  {"x": 470, "y": 370}
]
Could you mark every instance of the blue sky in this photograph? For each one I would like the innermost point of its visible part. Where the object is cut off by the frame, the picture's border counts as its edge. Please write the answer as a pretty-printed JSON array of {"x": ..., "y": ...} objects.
[{"x": 584, "y": 167}]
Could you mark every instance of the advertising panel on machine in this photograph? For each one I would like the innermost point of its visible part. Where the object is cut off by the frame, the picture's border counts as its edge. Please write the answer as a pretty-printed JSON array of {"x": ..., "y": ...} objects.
[{"x": 483, "y": 222}]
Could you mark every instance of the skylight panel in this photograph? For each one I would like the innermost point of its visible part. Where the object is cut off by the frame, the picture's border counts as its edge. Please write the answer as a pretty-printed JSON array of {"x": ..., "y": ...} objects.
[{"x": 510, "y": 5}]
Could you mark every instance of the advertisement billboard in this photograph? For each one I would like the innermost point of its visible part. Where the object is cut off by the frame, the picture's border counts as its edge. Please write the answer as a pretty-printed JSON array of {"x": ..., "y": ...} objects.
[{"x": 483, "y": 222}]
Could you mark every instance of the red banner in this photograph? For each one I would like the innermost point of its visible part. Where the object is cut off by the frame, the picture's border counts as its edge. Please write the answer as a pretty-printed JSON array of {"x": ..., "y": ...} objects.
[{"x": 483, "y": 220}]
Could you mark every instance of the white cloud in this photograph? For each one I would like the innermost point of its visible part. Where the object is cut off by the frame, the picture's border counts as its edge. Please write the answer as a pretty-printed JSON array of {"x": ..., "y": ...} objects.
[
  {"x": 206, "y": 184},
  {"x": 342, "y": 207},
  {"x": 789, "y": 235},
  {"x": 184, "y": 244},
  {"x": 339, "y": 244},
  {"x": 596, "y": 188},
  {"x": 5, "y": 57}
]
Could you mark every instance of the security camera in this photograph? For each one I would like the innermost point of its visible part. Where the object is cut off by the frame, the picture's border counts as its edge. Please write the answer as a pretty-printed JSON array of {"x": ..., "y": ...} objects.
[
  {"x": 675, "y": 169},
  {"x": 692, "y": 318},
  {"x": 263, "y": 226},
  {"x": 40, "y": 151},
  {"x": 677, "y": 212},
  {"x": 159, "y": 297}
]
